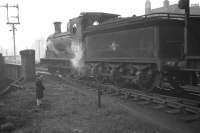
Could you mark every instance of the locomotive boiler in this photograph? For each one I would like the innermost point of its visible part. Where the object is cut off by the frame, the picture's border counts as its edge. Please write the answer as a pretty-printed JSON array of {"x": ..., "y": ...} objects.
[{"x": 144, "y": 52}]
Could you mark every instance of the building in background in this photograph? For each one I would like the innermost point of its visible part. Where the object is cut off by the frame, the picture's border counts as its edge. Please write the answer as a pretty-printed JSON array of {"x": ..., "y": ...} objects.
[
  {"x": 6, "y": 51},
  {"x": 40, "y": 48},
  {"x": 8, "y": 56},
  {"x": 12, "y": 59},
  {"x": 167, "y": 8}
]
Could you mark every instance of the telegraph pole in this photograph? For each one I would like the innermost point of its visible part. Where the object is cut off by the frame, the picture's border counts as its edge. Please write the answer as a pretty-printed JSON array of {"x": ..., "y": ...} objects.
[
  {"x": 12, "y": 23},
  {"x": 13, "y": 30}
]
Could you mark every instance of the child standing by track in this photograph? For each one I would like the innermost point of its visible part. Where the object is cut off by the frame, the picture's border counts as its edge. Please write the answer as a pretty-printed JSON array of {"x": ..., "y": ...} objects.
[{"x": 39, "y": 90}]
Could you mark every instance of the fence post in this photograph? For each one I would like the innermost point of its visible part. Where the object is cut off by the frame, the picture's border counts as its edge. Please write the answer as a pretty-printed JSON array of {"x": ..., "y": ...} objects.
[{"x": 99, "y": 96}]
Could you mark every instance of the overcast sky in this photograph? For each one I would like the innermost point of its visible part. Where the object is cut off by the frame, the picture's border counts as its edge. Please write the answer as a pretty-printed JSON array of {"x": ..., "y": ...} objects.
[{"x": 37, "y": 16}]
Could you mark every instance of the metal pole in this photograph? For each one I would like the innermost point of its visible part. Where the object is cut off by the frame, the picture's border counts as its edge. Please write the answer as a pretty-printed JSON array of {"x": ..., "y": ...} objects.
[
  {"x": 186, "y": 28},
  {"x": 99, "y": 97},
  {"x": 7, "y": 12},
  {"x": 39, "y": 48},
  {"x": 13, "y": 29},
  {"x": 17, "y": 12}
]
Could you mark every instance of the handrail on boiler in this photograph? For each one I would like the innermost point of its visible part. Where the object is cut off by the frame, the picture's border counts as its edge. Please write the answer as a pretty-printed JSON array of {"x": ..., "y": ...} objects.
[{"x": 167, "y": 15}]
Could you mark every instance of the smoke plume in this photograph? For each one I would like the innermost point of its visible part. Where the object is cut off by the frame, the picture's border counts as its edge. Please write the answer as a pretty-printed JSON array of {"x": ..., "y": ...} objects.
[{"x": 77, "y": 61}]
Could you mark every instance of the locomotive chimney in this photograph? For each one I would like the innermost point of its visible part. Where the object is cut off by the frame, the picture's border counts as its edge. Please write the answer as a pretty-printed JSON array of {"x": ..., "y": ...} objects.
[{"x": 57, "y": 26}]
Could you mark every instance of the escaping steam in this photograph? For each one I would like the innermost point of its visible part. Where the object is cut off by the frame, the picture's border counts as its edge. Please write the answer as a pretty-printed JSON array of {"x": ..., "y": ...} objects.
[{"x": 77, "y": 61}]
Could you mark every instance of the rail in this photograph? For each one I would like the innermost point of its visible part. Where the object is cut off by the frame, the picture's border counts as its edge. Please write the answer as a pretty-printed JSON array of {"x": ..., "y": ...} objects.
[{"x": 173, "y": 105}]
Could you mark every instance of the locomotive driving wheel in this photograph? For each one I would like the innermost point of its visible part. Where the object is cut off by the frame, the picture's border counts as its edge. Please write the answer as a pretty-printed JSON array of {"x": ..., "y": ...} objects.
[{"x": 148, "y": 80}]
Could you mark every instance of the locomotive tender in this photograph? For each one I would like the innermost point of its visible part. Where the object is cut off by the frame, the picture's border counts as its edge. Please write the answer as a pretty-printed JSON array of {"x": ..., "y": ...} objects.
[{"x": 145, "y": 51}]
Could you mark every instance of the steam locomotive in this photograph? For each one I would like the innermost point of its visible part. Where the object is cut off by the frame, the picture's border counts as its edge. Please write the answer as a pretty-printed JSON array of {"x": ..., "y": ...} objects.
[{"x": 144, "y": 51}]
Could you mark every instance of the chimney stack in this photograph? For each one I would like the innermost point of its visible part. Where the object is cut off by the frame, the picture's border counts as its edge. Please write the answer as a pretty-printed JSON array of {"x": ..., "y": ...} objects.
[
  {"x": 57, "y": 26},
  {"x": 166, "y": 3}
]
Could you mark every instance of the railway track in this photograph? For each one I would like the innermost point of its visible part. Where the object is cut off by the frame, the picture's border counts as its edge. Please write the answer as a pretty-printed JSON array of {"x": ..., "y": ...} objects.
[{"x": 174, "y": 105}]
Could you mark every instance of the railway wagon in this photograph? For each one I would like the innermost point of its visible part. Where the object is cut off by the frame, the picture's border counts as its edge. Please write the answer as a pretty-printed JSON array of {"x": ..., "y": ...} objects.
[{"x": 145, "y": 51}]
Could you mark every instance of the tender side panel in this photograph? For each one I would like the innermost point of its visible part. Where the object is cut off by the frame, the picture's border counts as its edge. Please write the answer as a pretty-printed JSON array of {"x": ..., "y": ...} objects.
[
  {"x": 127, "y": 44},
  {"x": 194, "y": 35},
  {"x": 171, "y": 40}
]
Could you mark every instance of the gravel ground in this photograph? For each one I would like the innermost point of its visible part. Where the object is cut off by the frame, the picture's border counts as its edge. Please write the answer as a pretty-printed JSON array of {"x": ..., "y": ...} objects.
[{"x": 70, "y": 109}]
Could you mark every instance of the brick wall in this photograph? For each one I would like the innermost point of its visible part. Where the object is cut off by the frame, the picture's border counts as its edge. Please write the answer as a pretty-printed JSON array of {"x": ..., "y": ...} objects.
[{"x": 13, "y": 71}]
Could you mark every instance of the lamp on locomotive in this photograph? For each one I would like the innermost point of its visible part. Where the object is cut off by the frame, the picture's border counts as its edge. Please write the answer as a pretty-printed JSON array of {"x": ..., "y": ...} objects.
[{"x": 182, "y": 4}]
